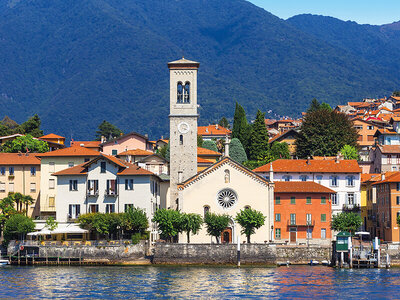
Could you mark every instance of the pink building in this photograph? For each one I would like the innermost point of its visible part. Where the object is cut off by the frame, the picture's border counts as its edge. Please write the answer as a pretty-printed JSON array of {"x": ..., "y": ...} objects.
[{"x": 127, "y": 142}]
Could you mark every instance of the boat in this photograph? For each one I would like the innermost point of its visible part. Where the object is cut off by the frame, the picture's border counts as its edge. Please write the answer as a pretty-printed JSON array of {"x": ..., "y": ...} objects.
[
  {"x": 313, "y": 262},
  {"x": 325, "y": 262},
  {"x": 285, "y": 263},
  {"x": 4, "y": 262}
]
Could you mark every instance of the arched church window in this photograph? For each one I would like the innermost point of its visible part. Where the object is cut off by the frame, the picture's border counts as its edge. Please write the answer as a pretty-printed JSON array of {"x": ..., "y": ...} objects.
[
  {"x": 206, "y": 210},
  {"x": 181, "y": 139},
  {"x": 179, "y": 95},
  {"x": 227, "y": 176},
  {"x": 247, "y": 207},
  {"x": 186, "y": 96},
  {"x": 226, "y": 198}
]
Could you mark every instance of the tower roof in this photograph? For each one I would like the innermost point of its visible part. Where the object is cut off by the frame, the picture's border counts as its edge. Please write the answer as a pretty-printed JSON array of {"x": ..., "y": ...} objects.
[{"x": 183, "y": 64}]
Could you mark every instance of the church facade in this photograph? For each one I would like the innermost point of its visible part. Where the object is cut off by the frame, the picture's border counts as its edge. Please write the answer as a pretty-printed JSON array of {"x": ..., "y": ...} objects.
[{"x": 225, "y": 187}]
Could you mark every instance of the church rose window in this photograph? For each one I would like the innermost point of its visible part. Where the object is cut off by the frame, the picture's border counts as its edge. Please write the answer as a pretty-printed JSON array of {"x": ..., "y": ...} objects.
[{"x": 226, "y": 198}]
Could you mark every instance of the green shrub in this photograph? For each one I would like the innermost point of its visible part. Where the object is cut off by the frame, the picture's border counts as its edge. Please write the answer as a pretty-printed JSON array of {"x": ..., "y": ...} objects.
[{"x": 136, "y": 238}]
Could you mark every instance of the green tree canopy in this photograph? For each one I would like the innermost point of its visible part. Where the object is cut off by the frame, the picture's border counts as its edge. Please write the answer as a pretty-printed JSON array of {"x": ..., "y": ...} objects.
[
  {"x": 7, "y": 209},
  {"x": 25, "y": 143},
  {"x": 17, "y": 226},
  {"x": 135, "y": 219},
  {"x": 224, "y": 123},
  {"x": 191, "y": 223},
  {"x": 314, "y": 105},
  {"x": 31, "y": 127},
  {"x": 349, "y": 152},
  {"x": 325, "y": 106},
  {"x": 240, "y": 128},
  {"x": 396, "y": 93},
  {"x": 210, "y": 145},
  {"x": 216, "y": 224},
  {"x": 199, "y": 141},
  {"x": 169, "y": 223},
  {"x": 280, "y": 150},
  {"x": 324, "y": 133},
  {"x": 108, "y": 130},
  {"x": 236, "y": 151},
  {"x": 258, "y": 142},
  {"x": 250, "y": 220},
  {"x": 346, "y": 221},
  {"x": 51, "y": 224}
]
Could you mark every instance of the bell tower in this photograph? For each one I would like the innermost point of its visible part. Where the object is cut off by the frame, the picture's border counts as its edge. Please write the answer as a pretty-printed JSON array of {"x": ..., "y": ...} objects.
[{"x": 183, "y": 124}]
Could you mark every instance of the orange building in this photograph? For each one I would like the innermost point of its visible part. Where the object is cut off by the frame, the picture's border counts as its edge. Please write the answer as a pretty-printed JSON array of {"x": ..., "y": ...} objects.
[
  {"x": 53, "y": 138},
  {"x": 302, "y": 212}
]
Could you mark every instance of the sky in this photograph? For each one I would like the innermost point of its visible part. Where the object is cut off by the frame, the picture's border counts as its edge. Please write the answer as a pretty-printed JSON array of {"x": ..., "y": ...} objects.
[{"x": 375, "y": 12}]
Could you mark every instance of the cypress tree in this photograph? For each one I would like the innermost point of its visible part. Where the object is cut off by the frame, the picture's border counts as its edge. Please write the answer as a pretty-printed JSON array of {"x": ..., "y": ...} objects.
[
  {"x": 224, "y": 123},
  {"x": 240, "y": 128},
  {"x": 314, "y": 106},
  {"x": 258, "y": 143},
  {"x": 236, "y": 151}
]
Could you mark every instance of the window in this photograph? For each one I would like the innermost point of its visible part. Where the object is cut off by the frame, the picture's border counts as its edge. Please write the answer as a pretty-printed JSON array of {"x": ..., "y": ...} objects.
[
  {"x": 3, "y": 171},
  {"x": 111, "y": 187},
  {"x": 93, "y": 208},
  {"x": 350, "y": 180},
  {"x": 323, "y": 200},
  {"x": 33, "y": 171},
  {"x": 33, "y": 187},
  {"x": 323, "y": 233},
  {"x": 277, "y": 233},
  {"x": 103, "y": 167},
  {"x": 129, "y": 184},
  {"x": 11, "y": 171},
  {"x": 309, "y": 233},
  {"x": 398, "y": 186},
  {"x": 128, "y": 206},
  {"x": 206, "y": 210},
  {"x": 11, "y": 187},
  {"x": 52, "y": 201},
  {"x": 358, "y": 127},
  {"x": 93, "y": 187},
  {"x": 114, "y": 152},
  {"x": 110, "y": 208},
  {"x": 181, "y": 139},
  {"x": 350, "y": 199},
  {"x": 303, "y": 177},
  {"x": 334, "y": 181},
  {"x": 86, "y": 159},
  {"x": 323, "y": 217},
  {"x": 292, "y": 219},
  {"x": 186, "y": 95},
  {"x": 308, "y": 200},
  {"x": 292, "y": 200},
  {"x": 370, "y": 138},
  {"x": 52, "y": 166},
  {"x": 179, "y": 93},
  {"x": 308, "y": 219},
  {"x": 74, "y": 211},
  {"x": 2, "y": 187},
  {"x": 71, "y": 164},
  {"x": 227, "y": 176},
  {"x": 398, "y": 200},
  {"x": 73, "y": 185},
  {"x": 319, "y": 179},
  {"x": 389, "y": 159},
  {"x": 277, "y": 200},
  {"x": 52, "y": 184},
  {"x": 370, "y": 127},
  {"x": 287, "y": 177},
  {"x": 277, "y": 217}
]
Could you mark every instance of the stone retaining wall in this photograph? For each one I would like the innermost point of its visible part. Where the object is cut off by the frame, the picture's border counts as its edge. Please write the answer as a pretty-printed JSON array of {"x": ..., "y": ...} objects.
[{"x": 165, "y": 253}]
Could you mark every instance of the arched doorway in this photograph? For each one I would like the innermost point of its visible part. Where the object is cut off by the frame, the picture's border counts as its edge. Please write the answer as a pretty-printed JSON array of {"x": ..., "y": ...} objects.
[{"x": 226, "y": 236}]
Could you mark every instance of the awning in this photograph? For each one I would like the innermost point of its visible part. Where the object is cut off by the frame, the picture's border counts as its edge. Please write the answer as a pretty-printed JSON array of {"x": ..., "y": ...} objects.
[{"x": 62, "y": 228}]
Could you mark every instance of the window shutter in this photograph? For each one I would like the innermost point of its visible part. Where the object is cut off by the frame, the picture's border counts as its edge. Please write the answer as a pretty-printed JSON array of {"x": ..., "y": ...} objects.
[
  {"x": 70, "y": 210},
  {"x": 126, "y": 184},
  {"x": 78, "y": 210}
]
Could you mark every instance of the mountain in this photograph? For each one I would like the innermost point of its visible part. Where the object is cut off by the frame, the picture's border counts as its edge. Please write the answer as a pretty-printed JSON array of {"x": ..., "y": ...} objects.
[{"x": 76, "y": 63}]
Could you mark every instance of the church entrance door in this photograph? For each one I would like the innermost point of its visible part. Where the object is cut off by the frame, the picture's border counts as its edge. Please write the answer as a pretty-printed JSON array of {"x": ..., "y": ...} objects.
[{"x": 226, "y": 236}]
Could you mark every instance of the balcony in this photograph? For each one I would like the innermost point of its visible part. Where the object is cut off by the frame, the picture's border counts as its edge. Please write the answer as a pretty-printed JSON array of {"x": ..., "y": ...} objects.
[
  {"x": 92, "y": 193},
  {"x": 351, "y": 208},
  {"x": 72, "y": 218},
  {"x": 111, "y": 192},
  {"x": 291, "y": 223}
]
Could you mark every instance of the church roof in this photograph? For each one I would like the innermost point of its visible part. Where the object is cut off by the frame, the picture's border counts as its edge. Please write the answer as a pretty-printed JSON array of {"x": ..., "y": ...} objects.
[
  {"x": 183, "y": 64},
  {"x": 222, "y": 162}
]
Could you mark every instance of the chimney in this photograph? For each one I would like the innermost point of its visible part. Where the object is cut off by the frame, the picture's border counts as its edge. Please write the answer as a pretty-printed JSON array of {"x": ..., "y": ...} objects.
[
  {"x": 337, "y": 159},
  {"x": 227, "y": 142},
  {"x": 162, "y": 137},
  {"x": 146, "y": 135},
  {"x": 271, "y": 173},
  {"x": 308, "y": 160},
  {"x": 216, "y": 126},
  {"x": 103, "y": 139},
  {"x": 82, "y": 145},
  {"x": 180, "y": 176},
  {"x": 383, "y": 176}
]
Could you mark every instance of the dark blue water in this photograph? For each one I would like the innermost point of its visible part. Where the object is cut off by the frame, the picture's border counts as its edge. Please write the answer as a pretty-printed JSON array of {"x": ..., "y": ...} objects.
[{"x": 197, "y": 282}]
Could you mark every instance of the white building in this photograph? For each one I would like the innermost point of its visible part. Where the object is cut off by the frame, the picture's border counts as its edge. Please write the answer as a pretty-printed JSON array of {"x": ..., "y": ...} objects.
[
  {"x": 106, "y": 184},
  {"x": 342, "y": 176}
]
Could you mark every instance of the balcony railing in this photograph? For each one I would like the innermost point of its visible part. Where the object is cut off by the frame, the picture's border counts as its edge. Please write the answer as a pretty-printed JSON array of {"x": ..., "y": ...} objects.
[
  {"x": 301, "y": 224},
  {"x": 93, "y": 193},
  {"x": 71, "y": 218},
  {"x": 351, "y": 207},
  {"x": 112, "y": 193}
]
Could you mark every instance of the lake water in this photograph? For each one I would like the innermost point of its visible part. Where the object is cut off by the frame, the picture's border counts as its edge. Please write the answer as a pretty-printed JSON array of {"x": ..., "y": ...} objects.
[{"x": 197, "y": 282}]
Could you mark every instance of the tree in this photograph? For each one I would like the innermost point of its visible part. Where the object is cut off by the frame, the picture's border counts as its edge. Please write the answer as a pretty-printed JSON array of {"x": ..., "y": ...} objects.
[
  {"x": 224, "y": 123},
  {"x": 396, "y": 93},
  {"x": 240, "y": 128},
  {"x": 17, "y": 226},
  {"x": 250, "y": 220},
  {"x": 199, "y": 141},
  {"x": 258, "y": 142},
  {"x": 210, "y": 145},
  {"x": 346, "y": 221},
  {"x": 163, "y": 151},
  {"x": 31, "y": 127},
  {"x": 324, "y": 133},
  {"x": 314, "y": 106},
  {"x": 349, "y": 152},
  {"x": 191, "y": 223},
  {"x": 167, "y": 152},
  {"x": 135, "y": 219},
  {"x": 280, "y": 150},
  {"x": 108, "y": 130},
  {"x": 7, "y": 209},
  {"x": 216, "y": 224},
  {"x": 169, "y": 223},
  {"x": 325, "y": 106},
  {"x": 51, "y": 224},
  {"x": 27, "y": 200},
  {"x": 24, "y": 144},
  {"x": 236, "y": 151}
]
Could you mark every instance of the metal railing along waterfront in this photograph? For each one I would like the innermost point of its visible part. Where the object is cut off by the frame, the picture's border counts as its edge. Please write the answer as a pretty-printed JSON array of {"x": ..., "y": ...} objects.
[{"x": 89, "y": 243}]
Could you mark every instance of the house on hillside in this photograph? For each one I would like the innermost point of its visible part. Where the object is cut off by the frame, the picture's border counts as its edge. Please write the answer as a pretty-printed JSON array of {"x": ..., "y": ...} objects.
[
  {"x": 289, "y": 137},
  {"x": 212, "y": 132},
  {"x": 126, "y": 142}
]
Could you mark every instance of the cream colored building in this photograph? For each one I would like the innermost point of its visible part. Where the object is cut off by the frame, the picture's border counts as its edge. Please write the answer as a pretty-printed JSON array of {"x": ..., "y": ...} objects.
[
  {"x": 20, "y": 172},
  {"x": 56, "y": 161},
  {"x": 227, "y": 188}
]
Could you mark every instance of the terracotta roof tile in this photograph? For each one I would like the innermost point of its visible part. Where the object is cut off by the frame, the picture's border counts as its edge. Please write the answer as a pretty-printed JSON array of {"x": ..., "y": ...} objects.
[
  {"x": 136, "y": 152},
  {"x": 7, "y": 159},
  {"x": 52, "y": 136},
  {"x": 314, "y": 166},
  {"x": 213, "y": 130},
  {"x": 204, "y": 161},
  {"x": 204, "y": 151},
  {"x": 389, "y": 177},
  {"x": 71, "y": 151},
  {"x": 86, "y": 144},
  {"x": 300, "y": 187},
  {"x": 389, "y": 149},
  {"x": 75, "y": 170},
  {"x": 368, "y": 177}
]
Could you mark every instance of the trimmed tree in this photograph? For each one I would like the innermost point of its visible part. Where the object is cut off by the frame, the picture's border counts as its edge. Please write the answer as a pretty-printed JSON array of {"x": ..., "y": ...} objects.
[
  {"x": 216, "y": 224},
  {"x": 280, "y": 150},
  {"x": 191, "y": 223},
  {"x": 17, "y": 226},
  {"x": 240, "y": 128},
  {"x": 346, "y": 221},
  {"x": 210, "y": 145},
  {"x": 258, "y": 142},
  {"x": 135, "y": 220},
  {"x": 250, "y": 220},
  {"x": 169, "y": 222},
  {"x": 349, "y": 152},
  {"x": 236, "y": 151}
]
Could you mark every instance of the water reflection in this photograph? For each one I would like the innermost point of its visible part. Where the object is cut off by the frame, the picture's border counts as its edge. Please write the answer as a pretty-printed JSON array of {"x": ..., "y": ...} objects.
[{"x": 197, "y": 282}]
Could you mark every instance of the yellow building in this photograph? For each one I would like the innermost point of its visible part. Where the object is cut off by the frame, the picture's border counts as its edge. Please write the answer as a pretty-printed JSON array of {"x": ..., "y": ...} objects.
[
  {"x": 206, "y": 158},
  {"x": 368, "y": 201},
  {"x": 289, "y": 137},
  {"x": 20, "y": 172}
]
